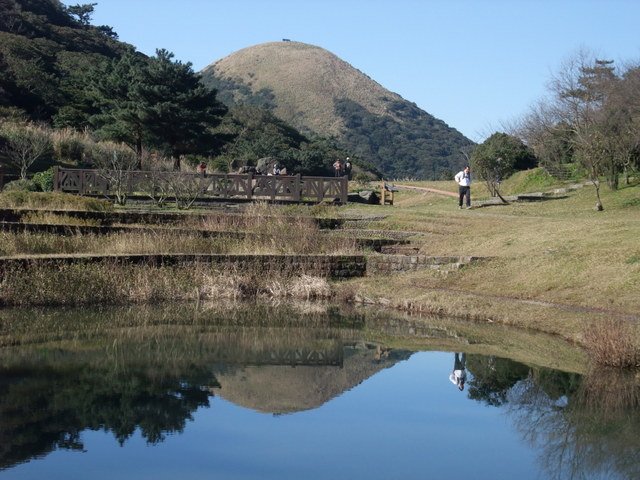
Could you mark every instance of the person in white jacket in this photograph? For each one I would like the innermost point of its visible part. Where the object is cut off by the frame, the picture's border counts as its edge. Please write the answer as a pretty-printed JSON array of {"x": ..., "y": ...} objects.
[
  {"x": 459, "y": 374},
  {"x": 463, "y": 178}
]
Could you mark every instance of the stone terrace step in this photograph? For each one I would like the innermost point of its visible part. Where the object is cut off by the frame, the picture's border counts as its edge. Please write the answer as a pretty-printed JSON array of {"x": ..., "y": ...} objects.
[
  {"x": 384, "y": 264},
  {"x": 377, "y": 244},
  {"x": 332, "y": 266},
  {"x": 164, "y": 218}
]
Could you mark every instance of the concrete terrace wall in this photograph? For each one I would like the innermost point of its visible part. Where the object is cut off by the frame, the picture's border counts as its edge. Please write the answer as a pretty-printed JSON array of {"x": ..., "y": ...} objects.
[
  {"x": 332, "y": 266},
  {"x": 386, "y": 264},
  {"x": 164, "y": 218}
]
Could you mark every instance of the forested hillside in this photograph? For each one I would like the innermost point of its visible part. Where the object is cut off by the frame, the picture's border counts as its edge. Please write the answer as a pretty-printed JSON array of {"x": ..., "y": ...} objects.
[
  {"x": 69, "y": 87},
  {"x": 45, "y": 51}
]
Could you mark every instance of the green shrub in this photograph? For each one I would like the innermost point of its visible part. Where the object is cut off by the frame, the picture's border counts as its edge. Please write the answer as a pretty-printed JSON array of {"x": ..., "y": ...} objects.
[
  {"x": 364, "y": 177},
  {"x": 534, "y": 180},
  {"x": 44, "y": 180}
]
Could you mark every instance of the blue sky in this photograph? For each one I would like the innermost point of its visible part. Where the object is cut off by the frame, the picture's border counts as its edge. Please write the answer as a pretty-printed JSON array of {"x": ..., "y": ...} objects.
[{"x": 473, "y": 64}]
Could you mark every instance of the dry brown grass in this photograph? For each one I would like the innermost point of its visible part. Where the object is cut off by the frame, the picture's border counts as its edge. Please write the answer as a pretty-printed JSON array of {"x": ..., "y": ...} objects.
[
  {"x": 559, "y": 251},
  {"x": 12, "y": 244},
  {"x": 114, "y": 283},
  {"x": 612, "y": 343},
  {"x": 52, "y": 201},
  {"x": 268, "y": 229},
  {"x": 48, "y": 218}
]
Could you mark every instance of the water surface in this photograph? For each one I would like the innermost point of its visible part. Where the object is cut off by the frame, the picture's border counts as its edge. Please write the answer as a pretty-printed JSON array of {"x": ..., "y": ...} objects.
[{"x": 267, "y": 392}]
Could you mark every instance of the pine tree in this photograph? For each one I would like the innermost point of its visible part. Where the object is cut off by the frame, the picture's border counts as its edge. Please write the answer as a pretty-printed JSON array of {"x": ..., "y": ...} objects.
[{"x": 179, "y": 111}]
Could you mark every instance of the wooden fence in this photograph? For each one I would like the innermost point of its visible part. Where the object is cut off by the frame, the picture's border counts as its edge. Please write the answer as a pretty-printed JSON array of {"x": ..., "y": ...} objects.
[{"x": 113, "y": 183}]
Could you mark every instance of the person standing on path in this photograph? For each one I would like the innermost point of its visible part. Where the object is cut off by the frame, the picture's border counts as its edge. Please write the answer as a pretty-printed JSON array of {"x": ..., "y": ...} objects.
[{"x": 463, "y": 178}]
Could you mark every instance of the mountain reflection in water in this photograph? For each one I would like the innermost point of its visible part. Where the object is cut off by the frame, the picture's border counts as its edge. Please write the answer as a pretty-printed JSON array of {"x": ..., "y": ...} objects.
[{"x": 122, "y": 373}]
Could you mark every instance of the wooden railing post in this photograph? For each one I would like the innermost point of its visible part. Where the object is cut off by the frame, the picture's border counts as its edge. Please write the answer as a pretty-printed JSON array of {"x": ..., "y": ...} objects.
[
  {"x": 249, "y": 185},
  {"x": 344, "y": 189},
  {"x": 56, "y": 178},
  {"x": 297, "y": 188},
  {"x": 81, "y": 182}
]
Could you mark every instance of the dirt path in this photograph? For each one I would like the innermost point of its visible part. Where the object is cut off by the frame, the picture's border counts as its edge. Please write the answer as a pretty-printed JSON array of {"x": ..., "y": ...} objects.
[{"x": 430, "y": 190}]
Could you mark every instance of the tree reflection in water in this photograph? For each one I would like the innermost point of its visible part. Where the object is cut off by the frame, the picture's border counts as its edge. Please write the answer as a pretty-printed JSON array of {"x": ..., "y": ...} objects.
[
  {"x": 43, "y": 409},
  {"x": 582, "y": 427},
  {"x": 152, "y": 378}
]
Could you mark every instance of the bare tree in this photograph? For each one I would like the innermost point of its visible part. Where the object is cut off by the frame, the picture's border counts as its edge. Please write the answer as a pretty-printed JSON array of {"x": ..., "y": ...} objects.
[
  {"x": 622, "y": 113},
  {"x": 115, "y": 163},
  {"x": 154, "y": 180},
  {"x": 574, "y": 121},
  {"x": 24, "y": 144},
  {"x": 186, "y": 188}
]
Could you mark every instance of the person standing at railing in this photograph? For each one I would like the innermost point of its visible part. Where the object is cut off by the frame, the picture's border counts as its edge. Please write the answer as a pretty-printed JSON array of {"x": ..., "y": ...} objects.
[
  {"x": 337, "y": 167},
  {"x": 347, "y": 168}
]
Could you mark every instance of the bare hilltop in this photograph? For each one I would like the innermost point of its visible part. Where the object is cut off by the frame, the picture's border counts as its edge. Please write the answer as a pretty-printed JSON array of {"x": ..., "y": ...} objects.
[{"x": 319, "y": 93}]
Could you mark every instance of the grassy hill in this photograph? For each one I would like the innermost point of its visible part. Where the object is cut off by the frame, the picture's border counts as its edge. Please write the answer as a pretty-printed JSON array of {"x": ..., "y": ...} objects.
[{"x": 315, "y": 91}]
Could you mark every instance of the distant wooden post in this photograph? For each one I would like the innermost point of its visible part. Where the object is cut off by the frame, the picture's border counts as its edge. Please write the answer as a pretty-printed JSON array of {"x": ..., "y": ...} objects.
[
  {"x": 56, "y": 178},
  {"x": 81, "y": 182}
]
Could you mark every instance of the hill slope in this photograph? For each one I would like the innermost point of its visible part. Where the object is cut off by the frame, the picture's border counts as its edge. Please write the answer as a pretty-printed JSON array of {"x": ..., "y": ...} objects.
[
  {"x": 44, "y": 55},
  {"x": 318, "y": 92}
]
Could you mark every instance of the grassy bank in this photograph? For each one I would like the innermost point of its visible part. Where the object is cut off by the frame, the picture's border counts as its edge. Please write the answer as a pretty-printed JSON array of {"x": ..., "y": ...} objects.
[
  {"x": 112, "y": 283},
  {"x": 555, "y": 266}
]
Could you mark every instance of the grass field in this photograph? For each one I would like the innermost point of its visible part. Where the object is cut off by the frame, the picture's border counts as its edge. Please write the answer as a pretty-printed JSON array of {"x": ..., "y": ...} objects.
[{"x": 556, "y": 265}]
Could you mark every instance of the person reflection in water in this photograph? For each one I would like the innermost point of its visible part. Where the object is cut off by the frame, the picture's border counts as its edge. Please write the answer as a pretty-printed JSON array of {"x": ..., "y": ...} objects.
[{"x": 459, "y": 374}]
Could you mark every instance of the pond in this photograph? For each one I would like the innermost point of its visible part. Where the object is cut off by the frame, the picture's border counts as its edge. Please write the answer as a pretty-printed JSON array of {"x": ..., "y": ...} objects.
[{"x": 303, "y": 391}]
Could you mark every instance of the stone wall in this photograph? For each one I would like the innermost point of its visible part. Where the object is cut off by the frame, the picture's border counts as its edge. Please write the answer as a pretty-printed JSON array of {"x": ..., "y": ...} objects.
[
  {"x": 385, "y": 264},
  {"x": 332, "y": 266}
]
